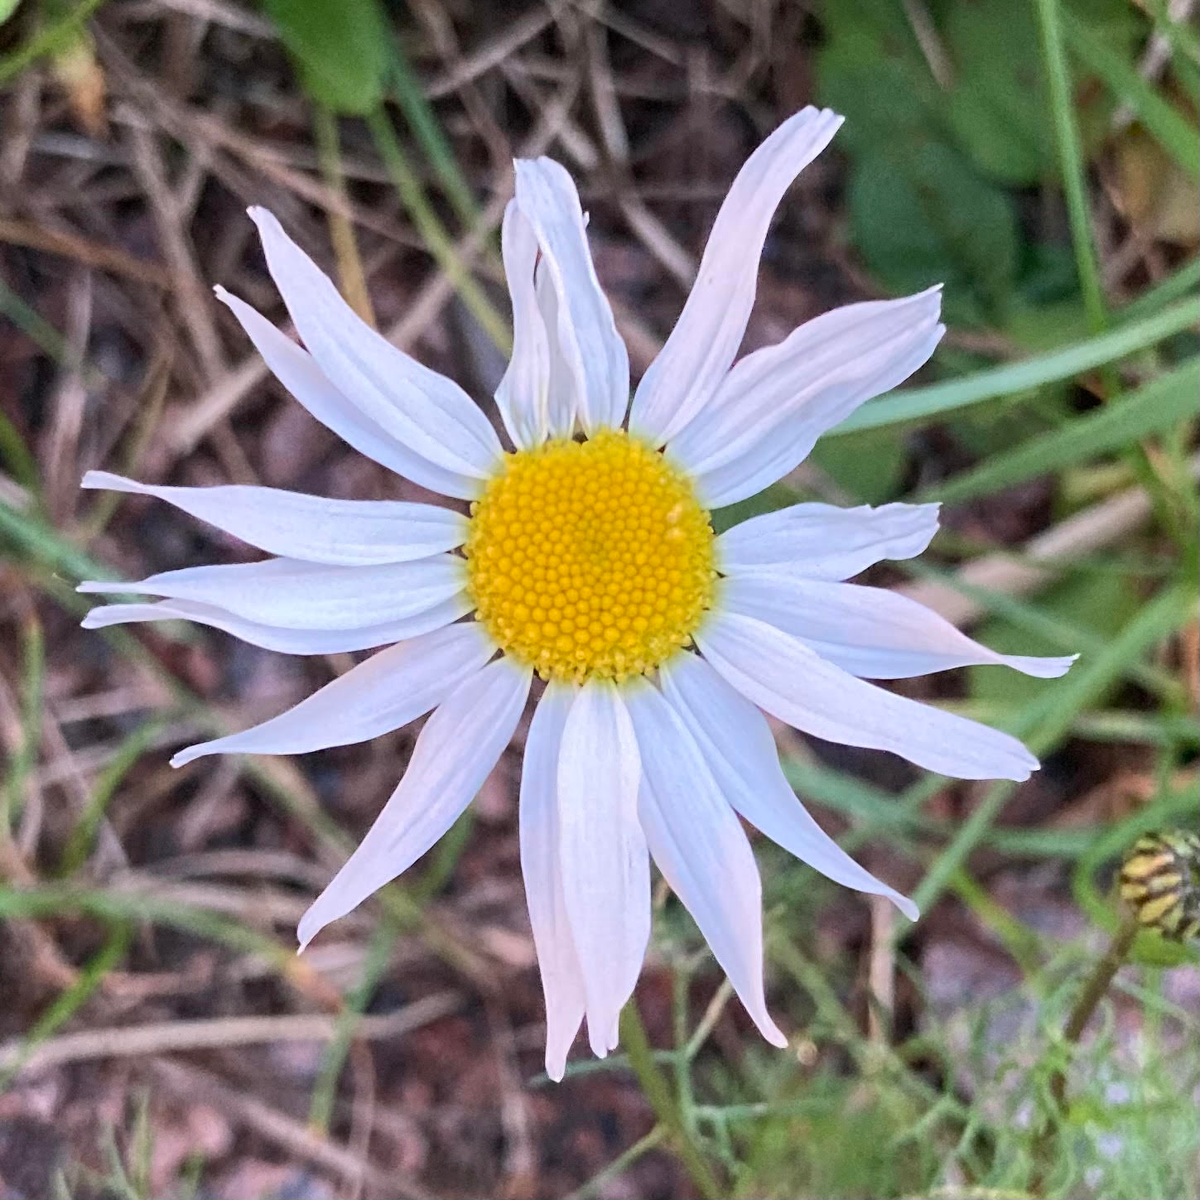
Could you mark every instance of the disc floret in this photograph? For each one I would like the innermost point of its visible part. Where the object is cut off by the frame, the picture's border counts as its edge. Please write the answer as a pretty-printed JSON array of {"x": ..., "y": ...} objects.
[{"x": 590, "y": 559}]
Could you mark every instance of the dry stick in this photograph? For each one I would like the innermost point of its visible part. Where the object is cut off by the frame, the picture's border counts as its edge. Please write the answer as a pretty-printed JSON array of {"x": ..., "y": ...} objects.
[
  {"x": 165, "y": 1037},
  {"x": 17, "y": 232},
  {"x": 60, "y": 486},
  {"x": 652, "y": 233},
  {"x": 193, "y": 302},
  {"x": 493, "y": 52},
  {"x": 1069, "y": 540},
  {"x": 285, "y": 1132},
  {"x": 185, "y": 429}
]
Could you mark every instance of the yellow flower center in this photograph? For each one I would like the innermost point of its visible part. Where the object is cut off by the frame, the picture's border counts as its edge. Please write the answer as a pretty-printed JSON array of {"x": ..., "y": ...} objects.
[{"x": 590, "y": 558}]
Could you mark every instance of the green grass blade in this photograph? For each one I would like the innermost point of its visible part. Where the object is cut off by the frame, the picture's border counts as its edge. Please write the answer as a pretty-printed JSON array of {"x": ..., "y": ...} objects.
[
  {"x": 423, "y": 122},
  {"x": 24, "y": 759},
  {"x": 433, "y": 232},
  {"x": 83, "y": 836},
  {"x": 1071, "y": 161},
  {"x": 1154, "y": 407},
  {"x": 1181, "y": 281},
  {"x": 51, "y": 37},
  {"x": 68, "y": 1003},
  {"x": 927, "y": 403},
  {"x": 1043, "y": 724},
  {"x": 1177, "y": 136}
]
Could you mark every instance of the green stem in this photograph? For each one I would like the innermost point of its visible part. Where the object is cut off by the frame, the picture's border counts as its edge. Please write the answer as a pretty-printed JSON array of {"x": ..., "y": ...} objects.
[
  {"x": 656, "y": 1091},
  {"x": 432, "y": 231},
  {"x": 1081, "y": 1013},
  {"x": 351, "y": 276},
  {"x": 1070, "y": 153},
  {"x": 1073, "y": 168}
]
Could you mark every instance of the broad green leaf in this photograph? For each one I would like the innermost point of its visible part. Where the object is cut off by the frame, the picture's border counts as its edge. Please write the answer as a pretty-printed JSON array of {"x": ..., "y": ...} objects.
[
  {"x": 998, "y": 102},
  {"x": 870, "y": 70},
  {"x": 921, "y": 215},
  {"x": 997, "y": 106},
  {"x": 7, "y": 8},
  {"x": 342, "y": 49},
  {"x": 1154, "y": 407}
]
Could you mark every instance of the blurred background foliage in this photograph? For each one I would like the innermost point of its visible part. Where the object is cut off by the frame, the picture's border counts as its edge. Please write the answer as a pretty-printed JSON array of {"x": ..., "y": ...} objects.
[{"x": 1039, "y": 158}]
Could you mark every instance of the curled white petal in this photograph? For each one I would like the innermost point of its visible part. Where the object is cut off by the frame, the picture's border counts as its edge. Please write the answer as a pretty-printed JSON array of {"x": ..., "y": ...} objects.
[
  {"x": 871, "y": 632},
  {"x": 562, "y": 396},
  {"x": 705, "y": 340},
  {"x": 301, "y": 595},
  {"x": 424, "y": 411},
  {"x": 700, "y": 848},
  {"x": 296, "y": 369},
  {"x": 738, "y": 747},
  {"x": 276, "y": 637},
  {"x": 312, "y": 528},
  {"x": 541, "y": 866},
  {"x": 772, "y": 407},
  {"x": 523, "y": 391},
  {"x": 793, "y": 683},
  {"x": 586, "y": 332},
  {"x": 605, "y": 867},
  {"x": 388, "y": 690},
  {"x": 822, "y": 541},
  {"x": 454, "y": 754}
]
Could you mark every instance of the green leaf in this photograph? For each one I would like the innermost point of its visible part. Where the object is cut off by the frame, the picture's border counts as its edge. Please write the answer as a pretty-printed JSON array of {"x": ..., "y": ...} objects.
[
  {"x": 998, "y": 102},
  {"x": 342, "y": 49},
  {"x": 871, "y": 71},
  {"x": 768, "y": 500},
  {"x": 921, "y": 215},
  {"x": 869, "y": 466},
  {"x": 997, "y": 106},
  {"x": 7, "y": 8},
  {"x": 1154, "y": 407}
]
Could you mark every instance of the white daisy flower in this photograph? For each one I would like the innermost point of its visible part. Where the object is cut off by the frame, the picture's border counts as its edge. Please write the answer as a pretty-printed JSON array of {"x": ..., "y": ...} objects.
[{"x": 589, "y": 559}]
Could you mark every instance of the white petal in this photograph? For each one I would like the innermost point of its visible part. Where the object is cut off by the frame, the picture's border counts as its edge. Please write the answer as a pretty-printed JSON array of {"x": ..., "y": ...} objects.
[
  {"x": 705, "y": 340},
  {"x": 774, "y": 405},
  {"x": 295, "y": 368},
  {"x": 700, "y": 848},
  {"x": 522, "y": 394},
  {"x": 424, "y": 411},
  {"x": 274, "y": 637},
  {"x": 738, "y": 747},
  {"x": 870, "y": 632},
  {"x": 388, "y": 690},
  {"x": 300, "y": 595},
  {"x": 562, "y": 978},
  {"x": 822, "y": 541},
  {"x": 340, "y": 532},
  {"x": 454, "y": 754},
  {"x": 587, "y": 333},
  {"x": 562, "y": 401},
  {"x": 790, "y": 681},
  {"x": 605, "y": 868}
]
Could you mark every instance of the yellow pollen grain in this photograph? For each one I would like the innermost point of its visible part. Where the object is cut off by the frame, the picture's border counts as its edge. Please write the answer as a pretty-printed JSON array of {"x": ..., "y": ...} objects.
[{"x": 590, "y": 559}]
